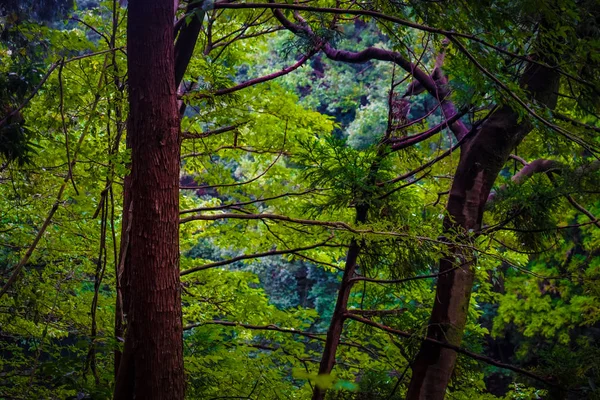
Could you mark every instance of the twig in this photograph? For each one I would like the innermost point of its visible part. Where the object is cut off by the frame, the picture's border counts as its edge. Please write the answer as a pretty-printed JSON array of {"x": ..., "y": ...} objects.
[
  {"x": 47, "y": 221},
  {"x": 252, "y": 256}
]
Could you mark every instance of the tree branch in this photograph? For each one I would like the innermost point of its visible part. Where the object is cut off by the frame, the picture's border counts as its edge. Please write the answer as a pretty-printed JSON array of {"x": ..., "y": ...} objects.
[
  {"x": 399, "y": 21},
  {"x": 377, "y": 313},
  {"x": 439, "y": 92},
  {"x": 256, "y": 255},
  {"x": 458, "y": 349},
  {"x": 245, "y": 203},
  {"x": 402, "y": 143},
  {"x": 257, "y": 327},
  {"x": 255, "y": 81},
  {"x": 192, "y": 135}
]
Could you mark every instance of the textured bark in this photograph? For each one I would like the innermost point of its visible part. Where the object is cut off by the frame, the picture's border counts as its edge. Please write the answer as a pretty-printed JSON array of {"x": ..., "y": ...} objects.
[
  {"x": 152, "y": 365},
  {"x": 336, "y": 325},
  {"x": 482, "y": 158},
  {"x": 184, "y": 48}
]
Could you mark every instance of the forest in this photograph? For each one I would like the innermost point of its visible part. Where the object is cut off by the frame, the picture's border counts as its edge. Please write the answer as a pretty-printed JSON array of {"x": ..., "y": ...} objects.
[{"x": 308, "y": 199}]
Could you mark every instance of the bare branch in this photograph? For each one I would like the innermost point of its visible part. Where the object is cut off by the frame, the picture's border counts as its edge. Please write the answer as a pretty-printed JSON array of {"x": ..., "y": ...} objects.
[
  {"x": 193, "y": 135},
  {"x": 377, "y": 313},
  {"x": 315, "y": 336},
  {"x": 435, "y": 89},
  {"x": 256, "y": 255},
  {"x": 458, "y": 349},
  {"x": 377, "y": 15},
  {"x": 256, "y": 81},
  {"x": 402, "y": 143},
  {"x": 245, "y": 203}
]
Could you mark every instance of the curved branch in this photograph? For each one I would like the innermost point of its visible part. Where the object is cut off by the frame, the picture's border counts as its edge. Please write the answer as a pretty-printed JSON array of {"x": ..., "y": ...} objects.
[
  {"x": 439, "y": 92},
  {"x": 429, "y": 83},
  {"x": 402, "y": 143},
  {"x": 548, "y": 167},
  {"x": 536, "y": 167},
  {"x": 258, "y": 80},
  {"x": 457, "y": 349},
  {"x": 252, "y": 256},
  {"x": 403, "y": 22}
]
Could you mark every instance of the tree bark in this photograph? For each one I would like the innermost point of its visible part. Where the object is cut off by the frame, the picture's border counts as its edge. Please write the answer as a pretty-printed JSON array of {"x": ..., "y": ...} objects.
[
  {"x": 482, "y": 158},
  {"x": 336, "y": 325},
  {"x": 184, "y": 48},
  {"x": 152, "y": 364}
]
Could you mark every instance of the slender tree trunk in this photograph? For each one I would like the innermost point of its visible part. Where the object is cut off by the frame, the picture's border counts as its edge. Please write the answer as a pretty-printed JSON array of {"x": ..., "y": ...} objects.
[
  {"x": 120, "y": 278},
  {"x": 482, "y": 158},
  {"x": 152, "y": 364},
  {"x": 337, "y": 320},
  {"x": 336, "y": 325},
  {"x": 186, "y": 42}
]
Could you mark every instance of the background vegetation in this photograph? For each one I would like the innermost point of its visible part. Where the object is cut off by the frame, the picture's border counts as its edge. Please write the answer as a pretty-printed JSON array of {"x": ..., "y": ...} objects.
[{"x": 281, "y": 178}]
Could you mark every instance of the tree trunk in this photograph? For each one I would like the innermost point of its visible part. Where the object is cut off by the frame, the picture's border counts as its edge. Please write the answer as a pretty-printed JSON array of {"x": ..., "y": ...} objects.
[
  {"x": 152, "y": 364},
  {"x": 481, "y": 160},
  {"x": 336, "y": 325},
  {"x": 184, "y": 48},
  {"x": 120, "y": 277}
]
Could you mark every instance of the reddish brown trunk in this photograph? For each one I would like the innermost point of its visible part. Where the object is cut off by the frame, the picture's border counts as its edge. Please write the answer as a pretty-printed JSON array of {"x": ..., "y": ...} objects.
[
  {"x": 336, "y": 325},
  {"x": 482, "y": 158},
  {"x": 152, "y": 365},
  {"x": 120, "y": 278},
  {"x": 337, "y": 320},
  {"x": 184, "y": 47}
]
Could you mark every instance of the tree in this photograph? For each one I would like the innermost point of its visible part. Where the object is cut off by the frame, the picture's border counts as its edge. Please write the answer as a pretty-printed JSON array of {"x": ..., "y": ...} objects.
[
  {"x": 152, "y": 363},
  {"x": 482, "y": 158},
  {"x": 318, "y": 146},
  {"x": 485, "y": 151}
]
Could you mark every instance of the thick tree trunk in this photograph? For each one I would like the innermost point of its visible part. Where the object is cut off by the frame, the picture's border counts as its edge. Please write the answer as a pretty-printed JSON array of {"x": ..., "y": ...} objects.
[
  {"x": 184, "y": 48},
  {"x": 482, "y": 158},
  {"x": 152, "y": 364}
]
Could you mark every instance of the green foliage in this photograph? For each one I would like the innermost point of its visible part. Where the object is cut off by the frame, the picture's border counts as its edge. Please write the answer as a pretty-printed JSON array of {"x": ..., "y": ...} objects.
[
  {"x": 530, "y": 208},
  {"x": 346, "y": 172},
  {"x": 306, "y": 147}
]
